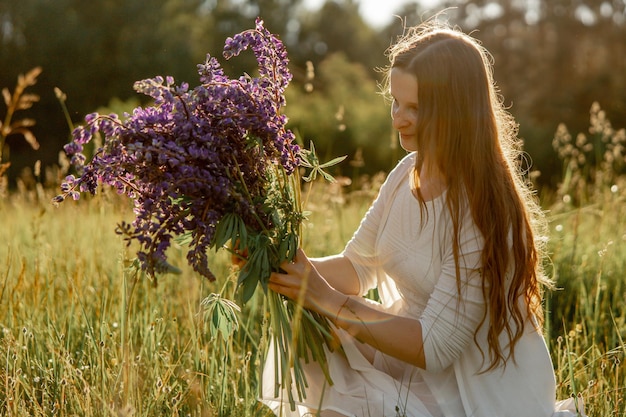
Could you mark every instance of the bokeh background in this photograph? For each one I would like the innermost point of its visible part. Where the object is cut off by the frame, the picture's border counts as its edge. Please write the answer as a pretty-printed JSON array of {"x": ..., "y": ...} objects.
[{"x": 553, "y": 60}]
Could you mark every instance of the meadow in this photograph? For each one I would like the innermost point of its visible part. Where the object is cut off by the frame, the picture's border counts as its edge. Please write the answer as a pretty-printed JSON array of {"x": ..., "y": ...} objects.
[{"x": 83, "y": 333}]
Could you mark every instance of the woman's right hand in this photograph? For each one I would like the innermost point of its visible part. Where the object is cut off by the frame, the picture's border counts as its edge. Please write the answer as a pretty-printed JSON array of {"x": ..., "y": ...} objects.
[{"x": 238, "y": 257}]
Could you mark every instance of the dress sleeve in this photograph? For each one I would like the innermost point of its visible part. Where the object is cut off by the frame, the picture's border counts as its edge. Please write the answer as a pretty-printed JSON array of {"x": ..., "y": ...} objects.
[
  {"x": 450, "y": 318},
  {"x": 361, "y": 249}
]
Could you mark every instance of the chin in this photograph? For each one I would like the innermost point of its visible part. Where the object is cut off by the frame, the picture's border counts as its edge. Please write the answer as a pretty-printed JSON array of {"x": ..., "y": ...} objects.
[{"x": 408, "y": 145}]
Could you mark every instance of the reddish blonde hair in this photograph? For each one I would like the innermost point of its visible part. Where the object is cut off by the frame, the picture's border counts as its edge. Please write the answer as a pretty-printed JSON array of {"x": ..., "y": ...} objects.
[{"x": 469, "y": 136}]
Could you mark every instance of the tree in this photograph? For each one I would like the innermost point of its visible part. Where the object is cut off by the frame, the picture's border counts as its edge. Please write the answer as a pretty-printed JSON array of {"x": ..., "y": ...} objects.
[
  {"x": 92, "y": 51},
  {"x": 343, "y": 114},
  {"x": 338, "y": 27},
  {"x": 552, "y": 61}
]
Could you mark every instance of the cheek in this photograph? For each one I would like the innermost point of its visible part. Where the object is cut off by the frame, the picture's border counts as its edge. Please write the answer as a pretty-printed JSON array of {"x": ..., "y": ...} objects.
[
  {"x": 394, "y": 110},
  {"x": 411, "y": 119}
]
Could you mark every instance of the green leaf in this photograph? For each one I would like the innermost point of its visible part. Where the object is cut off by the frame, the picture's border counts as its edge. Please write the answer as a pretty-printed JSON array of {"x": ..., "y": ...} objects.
[
  {"x": 248, "y": 287},
  {"x": 310, "y": 160},
  {"x": 242, "y": 233},
  {"x": 288, "y": 247},
  {"x": 257, "y": 268},
  {"x": 221, "y": 315},
  {"x": 311, "y": 177},
  {"x": 225, "y": 229},
  {"x": 333, "y": 161},
  {"x": 327, "y": 176},
  {"x": 250, "y": 269},
  {"x": 283, "y": 249}
]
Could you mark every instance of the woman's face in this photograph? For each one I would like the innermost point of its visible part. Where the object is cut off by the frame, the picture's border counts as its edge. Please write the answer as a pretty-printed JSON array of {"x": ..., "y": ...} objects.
[{"x": 403, "y": 89}]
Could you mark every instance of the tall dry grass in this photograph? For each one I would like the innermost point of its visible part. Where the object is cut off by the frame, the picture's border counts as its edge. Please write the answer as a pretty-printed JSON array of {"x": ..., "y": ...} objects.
[
  {"x": 82, "y": 333},
  {"x": 586, "y": 325}
]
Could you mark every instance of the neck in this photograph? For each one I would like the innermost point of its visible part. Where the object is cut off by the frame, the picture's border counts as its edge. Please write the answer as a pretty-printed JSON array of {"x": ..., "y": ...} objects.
[{"x": 431, "y": 183}]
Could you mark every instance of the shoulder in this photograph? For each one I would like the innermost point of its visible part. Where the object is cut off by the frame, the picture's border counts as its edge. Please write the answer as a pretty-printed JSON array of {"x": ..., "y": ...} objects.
[
  {"x": 396, "y": 177},
  {"x": 405, "y": 164},
  {"x": 401, "y": 170}
]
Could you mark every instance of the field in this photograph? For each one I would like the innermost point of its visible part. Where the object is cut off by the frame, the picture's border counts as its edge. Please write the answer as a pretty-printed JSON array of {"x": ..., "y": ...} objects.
[{"x": 83, "y": 334}]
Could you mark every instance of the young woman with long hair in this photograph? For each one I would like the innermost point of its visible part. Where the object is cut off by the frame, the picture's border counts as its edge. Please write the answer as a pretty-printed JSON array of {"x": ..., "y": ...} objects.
[{"x": 454, "y": 244}]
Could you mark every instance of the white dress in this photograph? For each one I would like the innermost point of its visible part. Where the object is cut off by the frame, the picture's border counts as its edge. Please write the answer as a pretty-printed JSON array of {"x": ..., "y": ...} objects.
[{"x": 408, "y": 258}]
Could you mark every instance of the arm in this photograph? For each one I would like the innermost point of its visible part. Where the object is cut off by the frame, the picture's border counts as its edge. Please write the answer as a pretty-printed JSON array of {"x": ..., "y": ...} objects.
[
  {"x": 440, "y": 335},
  {"x": 397, "y": 336},
  {"x": 338, "y": 271},
  {"x": 324, "y": 284}
]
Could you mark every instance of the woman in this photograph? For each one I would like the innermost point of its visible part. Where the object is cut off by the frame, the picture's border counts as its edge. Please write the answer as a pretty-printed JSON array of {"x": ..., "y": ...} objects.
[{"x": 453, "y": 243}]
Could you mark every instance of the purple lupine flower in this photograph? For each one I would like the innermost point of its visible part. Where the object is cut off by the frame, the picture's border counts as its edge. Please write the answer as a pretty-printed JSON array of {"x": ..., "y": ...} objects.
[{"x": 196, "y": 155}]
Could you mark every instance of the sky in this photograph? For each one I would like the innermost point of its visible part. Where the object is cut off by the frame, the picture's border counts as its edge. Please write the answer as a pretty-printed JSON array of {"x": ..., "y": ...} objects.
[{"x": 376, "y": 12}]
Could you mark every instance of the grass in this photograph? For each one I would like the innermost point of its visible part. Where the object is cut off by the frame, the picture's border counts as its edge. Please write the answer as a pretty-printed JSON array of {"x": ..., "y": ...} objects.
[
  {"x": 586, "y": 325},
  {"x": 83, "y": 334}
]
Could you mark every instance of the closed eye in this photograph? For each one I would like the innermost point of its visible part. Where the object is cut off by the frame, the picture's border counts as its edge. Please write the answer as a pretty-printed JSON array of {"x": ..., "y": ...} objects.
[{"x": 396, "y": 104}]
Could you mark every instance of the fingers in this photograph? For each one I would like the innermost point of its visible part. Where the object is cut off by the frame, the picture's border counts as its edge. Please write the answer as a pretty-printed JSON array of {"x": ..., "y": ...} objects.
[
  {"x": 291, "y": 282},
  {"x": 300, "y": 264},
  {"x": 238, "y": 257},
  {"x": 278, "y": 279},
  {"x": 285, "y": 284}
]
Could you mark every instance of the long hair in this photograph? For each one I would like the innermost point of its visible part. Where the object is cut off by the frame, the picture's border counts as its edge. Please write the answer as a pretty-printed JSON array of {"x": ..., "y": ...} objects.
[{"x": 466, "y": 132}]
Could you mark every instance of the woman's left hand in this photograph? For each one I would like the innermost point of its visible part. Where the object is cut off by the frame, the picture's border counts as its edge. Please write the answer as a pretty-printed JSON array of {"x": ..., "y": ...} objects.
[{"x": 302, "y": 281}]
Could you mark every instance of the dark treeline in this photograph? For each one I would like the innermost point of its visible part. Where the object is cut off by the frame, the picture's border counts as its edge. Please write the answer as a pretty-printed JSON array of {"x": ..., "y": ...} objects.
[{"x": 553, "y": 58}]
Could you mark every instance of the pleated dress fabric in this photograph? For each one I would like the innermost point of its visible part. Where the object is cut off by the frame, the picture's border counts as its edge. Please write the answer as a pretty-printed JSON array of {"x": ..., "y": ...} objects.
[{"x": 407, "y": 255}]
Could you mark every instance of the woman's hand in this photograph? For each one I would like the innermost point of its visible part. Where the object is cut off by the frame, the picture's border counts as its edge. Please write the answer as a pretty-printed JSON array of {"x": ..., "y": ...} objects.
[
  {"x": 238, "y": 257},
  {"x": 397, "y": 336},
  {"x": 302, "y": 282}
]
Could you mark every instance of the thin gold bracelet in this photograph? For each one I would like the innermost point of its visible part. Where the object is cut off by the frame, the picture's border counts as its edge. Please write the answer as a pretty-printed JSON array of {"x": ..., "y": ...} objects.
[{"x": 341, "y": 308}]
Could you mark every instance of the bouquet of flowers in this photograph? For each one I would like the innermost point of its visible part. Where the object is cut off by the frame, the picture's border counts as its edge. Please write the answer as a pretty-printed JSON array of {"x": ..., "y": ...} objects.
[{"x": 211, "y": 165}]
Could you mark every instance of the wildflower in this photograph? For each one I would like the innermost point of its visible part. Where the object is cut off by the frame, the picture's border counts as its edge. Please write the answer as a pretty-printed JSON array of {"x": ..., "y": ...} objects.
[{"x": 196, "y": 155}]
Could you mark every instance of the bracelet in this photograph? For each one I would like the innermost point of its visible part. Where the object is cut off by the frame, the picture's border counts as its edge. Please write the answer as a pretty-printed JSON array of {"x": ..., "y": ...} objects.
[{"x": 341, "y": 308}]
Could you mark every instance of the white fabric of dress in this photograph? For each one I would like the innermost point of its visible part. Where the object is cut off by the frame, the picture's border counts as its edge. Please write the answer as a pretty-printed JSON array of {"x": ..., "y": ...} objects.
[{"x": 408, "y": 256}]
